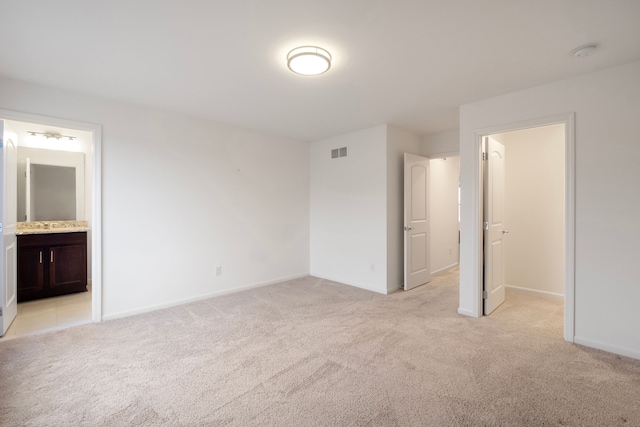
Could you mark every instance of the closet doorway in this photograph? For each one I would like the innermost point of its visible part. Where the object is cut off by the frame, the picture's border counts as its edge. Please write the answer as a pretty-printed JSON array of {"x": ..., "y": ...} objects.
[{"x": 527, "y": 202}]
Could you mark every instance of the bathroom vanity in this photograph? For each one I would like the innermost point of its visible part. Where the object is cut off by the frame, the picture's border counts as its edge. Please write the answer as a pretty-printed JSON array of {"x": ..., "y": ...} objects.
[{"x": 51, "y": 261}]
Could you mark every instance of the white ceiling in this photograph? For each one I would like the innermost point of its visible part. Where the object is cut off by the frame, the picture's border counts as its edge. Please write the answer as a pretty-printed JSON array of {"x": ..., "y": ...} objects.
[{"x": 402, "y": 62}]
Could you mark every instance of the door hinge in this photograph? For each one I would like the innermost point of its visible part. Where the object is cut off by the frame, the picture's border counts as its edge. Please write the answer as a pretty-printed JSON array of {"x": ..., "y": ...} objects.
[
  {"x": 484, "y": 156},
  {"x": 485, "y": 295},
  {"x": 485, "y": 225}
]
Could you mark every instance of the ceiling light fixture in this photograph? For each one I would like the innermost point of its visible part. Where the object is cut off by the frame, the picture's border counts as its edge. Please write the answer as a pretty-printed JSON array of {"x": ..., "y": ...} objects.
[
  {"x": 309, "y": 60},
  {"x": 584, "y": 50}
]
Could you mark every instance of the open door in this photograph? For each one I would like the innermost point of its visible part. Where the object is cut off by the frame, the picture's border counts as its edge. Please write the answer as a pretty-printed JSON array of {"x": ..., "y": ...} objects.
[
  {"x": 8, "y": 212},
  {"x": 494, "y": 231},
  {"x": 417, "y": 267}
]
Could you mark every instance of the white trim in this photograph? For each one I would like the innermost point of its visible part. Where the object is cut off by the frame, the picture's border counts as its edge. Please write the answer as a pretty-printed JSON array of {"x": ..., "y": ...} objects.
[
  {"x": 392, "y": 290},
  {"x": 570, "y": 228},
  {"x": 477, "y": 231},
  {"x": 476, "y": 227},
  {"x": 355, "y": 285},
  {"x": 183, "y": 301},
  {"x": 45, "y": 331},
  {"x": 465, "y": 312},
  {"x": 96, "y": 179},
  {"x": 444, "y": 268},
  {"x": 606, "y": 347},
  {"x": 96, "y": 226},
  {"x": 536, "y": 292}
]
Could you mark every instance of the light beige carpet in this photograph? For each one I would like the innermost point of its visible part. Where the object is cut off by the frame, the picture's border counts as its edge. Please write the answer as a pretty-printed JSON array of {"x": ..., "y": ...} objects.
[{"x": 313, "y": 352}]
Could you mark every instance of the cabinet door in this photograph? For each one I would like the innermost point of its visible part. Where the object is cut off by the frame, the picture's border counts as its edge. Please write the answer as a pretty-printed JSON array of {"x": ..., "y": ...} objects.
[
  {"x": 67, "y": 266},
  {"x": 30, "y": 271}
]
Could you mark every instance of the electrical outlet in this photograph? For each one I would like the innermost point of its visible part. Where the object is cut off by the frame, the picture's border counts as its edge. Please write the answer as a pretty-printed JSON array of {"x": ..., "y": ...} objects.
[
  {"x": 218, "y": 270},
  {"x": 449, "y": 251},
  {"x": 373, "y": 268}
]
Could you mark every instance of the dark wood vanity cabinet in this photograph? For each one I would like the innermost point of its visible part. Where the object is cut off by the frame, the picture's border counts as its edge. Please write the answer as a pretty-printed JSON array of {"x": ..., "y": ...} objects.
[{"x": 51, "y": 264}]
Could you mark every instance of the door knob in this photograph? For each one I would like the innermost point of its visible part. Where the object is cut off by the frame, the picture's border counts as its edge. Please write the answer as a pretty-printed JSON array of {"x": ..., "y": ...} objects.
[
  {"x": 505, "y": 231},
  {"x": 408, "y": 228}
]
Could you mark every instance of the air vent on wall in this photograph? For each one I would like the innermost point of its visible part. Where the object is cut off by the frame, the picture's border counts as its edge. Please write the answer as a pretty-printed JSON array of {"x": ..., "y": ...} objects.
[{"x": 339, "y": 152}]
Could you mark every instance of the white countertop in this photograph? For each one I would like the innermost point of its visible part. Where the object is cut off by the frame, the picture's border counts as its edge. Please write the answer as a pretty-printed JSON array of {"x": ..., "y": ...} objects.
[
  {"x": 51, "y": 227},
  {"x": 51, "y": 230}
]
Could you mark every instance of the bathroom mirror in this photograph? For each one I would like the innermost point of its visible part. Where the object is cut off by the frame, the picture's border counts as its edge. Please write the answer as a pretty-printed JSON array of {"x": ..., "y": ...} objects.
[
  {"x": 50, "y": 185},
  {"x": 50, "y": 193}
]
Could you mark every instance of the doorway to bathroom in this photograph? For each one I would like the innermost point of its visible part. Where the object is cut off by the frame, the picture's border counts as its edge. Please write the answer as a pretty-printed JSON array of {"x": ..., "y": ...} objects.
[{"x": 54, "y": 152}]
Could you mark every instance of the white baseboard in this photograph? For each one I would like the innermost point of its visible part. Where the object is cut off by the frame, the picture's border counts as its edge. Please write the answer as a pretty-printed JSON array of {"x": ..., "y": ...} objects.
[
  {"x": 345, "y": 282},
  {"x": 174, "y": 303},
  {"x": 55, "y": 328},
  {"x": 395, "y": 289},
  {"x": 466, "y": 312},
  {"x": 635, "y": 354},
  {"x": 536, "y": 292},
  {"x": 444, "y": 268}
]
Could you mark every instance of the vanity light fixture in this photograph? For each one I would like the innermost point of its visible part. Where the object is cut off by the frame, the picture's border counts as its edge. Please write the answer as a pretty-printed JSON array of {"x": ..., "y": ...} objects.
[
  {"x": 49, "y": 135},
  {"x": 309, "y": 60}
]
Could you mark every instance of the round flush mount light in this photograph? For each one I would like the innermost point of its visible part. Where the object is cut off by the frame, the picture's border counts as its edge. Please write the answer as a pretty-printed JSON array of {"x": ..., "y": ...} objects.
[
  {"x": 584, "y": 50},
  {"x": 309, "y": 60}
]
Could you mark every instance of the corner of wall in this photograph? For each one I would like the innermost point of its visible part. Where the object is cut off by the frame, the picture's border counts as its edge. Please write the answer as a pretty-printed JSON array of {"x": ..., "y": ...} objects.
[
  {"x": 440, "y": 144},
  {"x": 348, "y": 236}
]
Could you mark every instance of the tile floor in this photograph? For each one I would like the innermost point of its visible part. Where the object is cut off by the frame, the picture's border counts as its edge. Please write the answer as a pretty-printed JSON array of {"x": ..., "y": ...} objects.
[{"x": 50, "y": 313}]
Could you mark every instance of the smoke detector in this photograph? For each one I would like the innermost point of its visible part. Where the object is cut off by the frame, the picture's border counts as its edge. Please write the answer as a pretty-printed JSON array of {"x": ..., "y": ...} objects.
[{"x": 584, "y": 50}]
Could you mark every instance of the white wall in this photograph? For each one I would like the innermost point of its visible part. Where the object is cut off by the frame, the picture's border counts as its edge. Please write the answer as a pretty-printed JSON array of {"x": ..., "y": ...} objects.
[
  {"x": 182, "y": 195},
  {"x": 534, "y": 210},
  {"x": 399, "y": 142},
  {"x": 441, "y": 144},
  {"x": 357, "y": 206},
  {"x": 349, "y": 209},
  {"x": 607, "y": 231},
  {"x": 443, "y": 194}
]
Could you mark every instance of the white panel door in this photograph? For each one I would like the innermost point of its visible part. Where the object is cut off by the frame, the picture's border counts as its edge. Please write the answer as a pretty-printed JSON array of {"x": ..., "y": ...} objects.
[
  {"x": 493, "y": 225},
  {"x": 417, "y": 268},
  {"x": 8, "y": 212}
]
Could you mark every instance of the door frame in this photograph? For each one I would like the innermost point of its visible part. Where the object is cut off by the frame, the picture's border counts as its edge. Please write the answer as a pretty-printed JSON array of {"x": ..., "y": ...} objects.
[
  {"x": 96, "y": 195},
  {"x": 569, "y": 239}
]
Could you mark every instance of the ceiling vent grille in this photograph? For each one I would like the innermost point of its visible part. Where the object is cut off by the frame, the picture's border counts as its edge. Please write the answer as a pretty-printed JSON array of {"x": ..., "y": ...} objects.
[{"x": 339, "y": 152}]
